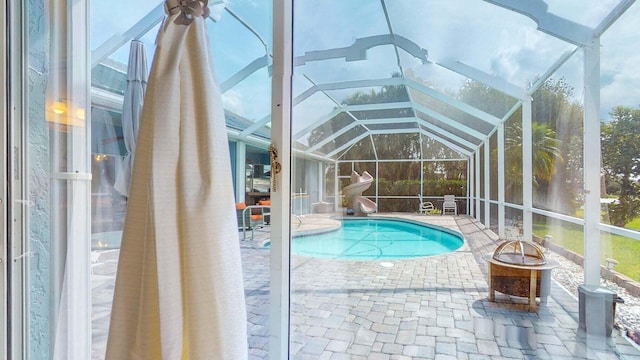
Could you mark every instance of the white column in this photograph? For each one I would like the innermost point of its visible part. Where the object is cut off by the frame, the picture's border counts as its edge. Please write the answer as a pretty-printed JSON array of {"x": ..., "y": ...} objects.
[
  {"x": 421, "y": 166},
  {"x": 487, "y": 185},
  {"x": 527, "y": 170},
  {"x": 592, "y": 161},
  {"x": 241, "y": 171},
  {"x": 377, "y": 179},
  {"x": 70, "y": 180},
  {"x": 281, "y": 197},
  {"x": 336, "y": 201},
  {"x": 421, "y": 172},
  {"x": 470, "y": 186},
  {"x": 320, "y": 182},
  {"x": 500, "y": 134},
  {"x": 477, "y": 162}
]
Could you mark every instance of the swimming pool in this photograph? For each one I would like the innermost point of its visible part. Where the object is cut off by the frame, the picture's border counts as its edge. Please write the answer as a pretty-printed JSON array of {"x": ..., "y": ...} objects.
[{"x": 373, "y": 239}]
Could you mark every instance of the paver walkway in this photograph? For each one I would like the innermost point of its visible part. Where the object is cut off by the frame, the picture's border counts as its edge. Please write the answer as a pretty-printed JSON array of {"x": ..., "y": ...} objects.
[{"x": 425, "y": 308}]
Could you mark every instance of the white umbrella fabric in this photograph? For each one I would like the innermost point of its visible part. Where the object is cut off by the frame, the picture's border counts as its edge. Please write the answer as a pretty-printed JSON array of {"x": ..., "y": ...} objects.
[
  {"x": 179, "y": 292},
  {"x": 133, "y": 100}
]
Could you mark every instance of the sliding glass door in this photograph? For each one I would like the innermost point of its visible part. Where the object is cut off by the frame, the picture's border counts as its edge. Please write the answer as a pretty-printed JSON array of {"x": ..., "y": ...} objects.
[{"x": 49, "y": 127}]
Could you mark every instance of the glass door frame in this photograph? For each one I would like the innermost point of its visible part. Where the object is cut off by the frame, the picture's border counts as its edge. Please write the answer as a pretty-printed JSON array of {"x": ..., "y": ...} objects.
[
  {"x": 281, "y": 194},
  {"x": 16, "y": 198},
  {"x": 4, "y": 108},
  {"x": 14, "y": 251}
]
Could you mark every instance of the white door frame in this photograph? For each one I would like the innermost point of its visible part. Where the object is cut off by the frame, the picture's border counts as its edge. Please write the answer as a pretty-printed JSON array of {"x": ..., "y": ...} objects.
[
  {"x": 281, "y": 194},
  {"x": 15, "y": 251},
  {"x": 3, "y": 183},
  {"x": 15, "y": 198}
]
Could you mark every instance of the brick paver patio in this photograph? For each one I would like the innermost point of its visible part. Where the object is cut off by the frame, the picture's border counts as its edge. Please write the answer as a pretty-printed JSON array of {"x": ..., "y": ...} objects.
[{"x": 425, "y": 308}]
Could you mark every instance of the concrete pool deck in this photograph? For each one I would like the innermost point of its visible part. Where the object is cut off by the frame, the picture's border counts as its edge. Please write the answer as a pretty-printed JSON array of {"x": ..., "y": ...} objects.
[{"x": 424, "y": 308}]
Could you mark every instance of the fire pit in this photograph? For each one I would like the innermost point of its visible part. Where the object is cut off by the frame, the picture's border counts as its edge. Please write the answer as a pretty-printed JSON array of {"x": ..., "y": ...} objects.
[
  {"x": 520, "y": 268},
  {"x": 520, "y": 252}
]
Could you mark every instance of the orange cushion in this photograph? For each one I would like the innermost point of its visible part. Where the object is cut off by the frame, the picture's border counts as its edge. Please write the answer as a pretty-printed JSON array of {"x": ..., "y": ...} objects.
[
  {"x": 264, "y": 202},
  {"x": 240, "y": 206},
  {"x": 256, "y": 217}
]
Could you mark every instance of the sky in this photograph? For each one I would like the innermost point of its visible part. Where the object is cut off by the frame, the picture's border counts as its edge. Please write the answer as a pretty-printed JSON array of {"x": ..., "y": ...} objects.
[{"x": 479, "y": 34}]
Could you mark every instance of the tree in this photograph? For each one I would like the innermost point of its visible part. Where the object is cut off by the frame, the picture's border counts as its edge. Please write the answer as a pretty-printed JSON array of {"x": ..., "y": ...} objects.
[
  {"x": 621, "y": 161},
  {"x": 546, "y": 151},
  {"x": 552, "y": 110},
  {"x": 485, "y": 98},
  {"x": 555, "y": 106}
]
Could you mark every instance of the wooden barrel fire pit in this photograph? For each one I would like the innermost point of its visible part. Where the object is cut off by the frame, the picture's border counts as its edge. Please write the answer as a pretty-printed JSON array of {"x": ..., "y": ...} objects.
[{"x": 520, "y": 268}]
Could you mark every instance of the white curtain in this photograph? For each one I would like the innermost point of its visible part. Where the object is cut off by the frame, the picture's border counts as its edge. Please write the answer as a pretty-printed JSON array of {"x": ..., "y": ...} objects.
[{"x": 179, "y": 291}]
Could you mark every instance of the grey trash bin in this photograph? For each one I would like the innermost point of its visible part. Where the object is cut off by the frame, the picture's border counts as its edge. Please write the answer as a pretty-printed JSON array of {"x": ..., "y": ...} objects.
[{"x": 600, "y": 304}]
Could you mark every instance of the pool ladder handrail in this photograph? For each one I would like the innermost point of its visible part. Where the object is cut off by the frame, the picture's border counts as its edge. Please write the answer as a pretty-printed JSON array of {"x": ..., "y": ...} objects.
[
  {"x": 251, "y": 226},
  {"x": 299, "y": 220},
  {"x": 263, "y": 224}
]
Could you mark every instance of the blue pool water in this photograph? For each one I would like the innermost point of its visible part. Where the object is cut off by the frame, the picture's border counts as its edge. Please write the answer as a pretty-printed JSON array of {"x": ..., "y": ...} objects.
[{"x": 373, "y": 239}]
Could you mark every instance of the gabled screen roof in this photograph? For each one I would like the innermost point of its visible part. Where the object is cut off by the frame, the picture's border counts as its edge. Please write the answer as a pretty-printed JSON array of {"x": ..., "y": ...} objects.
[{"x": 365, "y": 69}]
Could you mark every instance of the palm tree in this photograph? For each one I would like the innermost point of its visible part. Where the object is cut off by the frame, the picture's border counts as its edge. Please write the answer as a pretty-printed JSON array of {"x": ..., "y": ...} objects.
[{"x": 546, "y": 150}]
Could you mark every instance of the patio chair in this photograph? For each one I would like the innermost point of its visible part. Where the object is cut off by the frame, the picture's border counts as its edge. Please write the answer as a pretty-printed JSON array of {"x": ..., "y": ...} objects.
[
  {"x": 449, "y": 204},
  {"x": 247, "y": 220},
  {"x": 425, "y": 206}
]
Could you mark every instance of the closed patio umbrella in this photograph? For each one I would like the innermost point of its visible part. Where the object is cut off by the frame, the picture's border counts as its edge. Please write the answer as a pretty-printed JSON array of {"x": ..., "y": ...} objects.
[
  {"x": 179, "y": 292},
  {"x": 133, "y": 99}
]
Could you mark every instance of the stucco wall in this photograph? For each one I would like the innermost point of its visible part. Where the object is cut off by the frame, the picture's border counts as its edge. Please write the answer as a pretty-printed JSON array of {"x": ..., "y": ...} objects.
[{"x": 37, "y": 173}]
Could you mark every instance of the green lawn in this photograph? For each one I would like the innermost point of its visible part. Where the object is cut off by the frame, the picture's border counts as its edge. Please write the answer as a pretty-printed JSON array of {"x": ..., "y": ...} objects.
[
  {"x": 634, "y": 224},
  {"x": 625, "y": 250}
]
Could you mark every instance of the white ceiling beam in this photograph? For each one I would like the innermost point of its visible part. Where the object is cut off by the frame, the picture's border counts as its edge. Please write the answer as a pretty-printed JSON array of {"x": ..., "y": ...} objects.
[
  {"x": 245, "y": 24},
  {"x": 336, "y": 102},
  {"x": 460, "y": 144},
  {"x": 462, "y": 106},
  {"x": 347, "y": 145},
  {"x": 389, "y": 82},
  {"x": 258, "y": 142},
  {"x": 106, "y": 99},
  {"x": 611, "y": 18},
  {"x": 317, "y": 123},
  {"x": 358, "y": 50},
  {"x": 373, "y": 145},
  {"x": 442, "y": 132},
  {"x": 352, "y": 125},
  {"x": 354, "y": 84},
  {"x": 140, "y": 28},
  {"x": 332, "y": 137},
  {"x": 378, "y": 106},
  {"x": 446, "y": 143},
  {"x": 436, "y": 131},
  {"x": 550, "y": 71},
  {"x": 245, "y": 72},
  {"x": 450, "y": 145},
  {"x": 489, "y": 80},
  {"x": 453, "y": 123},
  {"x": 350, "y": 108},
  {"x": 321, "y": 120},
  {"x": 395, "y": 81},
  {"x": 256, "y": 125},
  {"x": 394, "y": 131},
  {"x": 554, "y": 25}
]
